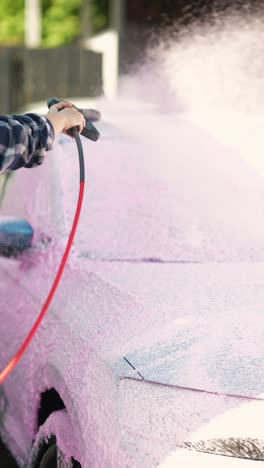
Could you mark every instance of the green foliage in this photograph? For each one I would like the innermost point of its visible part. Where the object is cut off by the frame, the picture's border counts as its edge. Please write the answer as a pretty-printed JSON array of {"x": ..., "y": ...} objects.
[
  {"x": 60, "y": 20},
  {"x": 100, "y": 15},
  {"x": 11, "y": 22}
]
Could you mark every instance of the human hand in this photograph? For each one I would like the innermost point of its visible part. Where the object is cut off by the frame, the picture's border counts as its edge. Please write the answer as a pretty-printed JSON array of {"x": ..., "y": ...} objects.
[{"x": 65, "y": 116}]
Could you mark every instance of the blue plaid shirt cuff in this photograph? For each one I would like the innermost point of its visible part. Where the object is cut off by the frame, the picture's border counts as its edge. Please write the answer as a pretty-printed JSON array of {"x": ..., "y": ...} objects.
[{"x": 24, "y": 141}]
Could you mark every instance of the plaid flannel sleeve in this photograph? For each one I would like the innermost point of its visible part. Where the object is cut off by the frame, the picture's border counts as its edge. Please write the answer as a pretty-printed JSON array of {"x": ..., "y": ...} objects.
[{"x": 24, "y": 140}]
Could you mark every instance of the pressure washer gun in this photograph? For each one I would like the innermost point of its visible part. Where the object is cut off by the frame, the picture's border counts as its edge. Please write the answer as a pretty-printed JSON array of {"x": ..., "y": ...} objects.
[{"x": 90, "y": 115}]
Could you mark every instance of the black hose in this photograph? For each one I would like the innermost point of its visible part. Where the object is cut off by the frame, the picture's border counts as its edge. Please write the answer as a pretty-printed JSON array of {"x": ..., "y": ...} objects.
[{"x": 80, "y": 154}]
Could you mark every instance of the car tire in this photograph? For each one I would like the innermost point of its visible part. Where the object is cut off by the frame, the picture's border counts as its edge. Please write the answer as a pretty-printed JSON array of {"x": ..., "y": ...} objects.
[
  {"x": 45, "y": 451},
  {"x": 54, "y": 458},
  {"x": 49, "y": 459}
]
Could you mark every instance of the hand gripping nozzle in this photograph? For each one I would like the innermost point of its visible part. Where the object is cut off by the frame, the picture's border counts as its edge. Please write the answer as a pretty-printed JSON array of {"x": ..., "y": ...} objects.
[{"x": 89, "y": 131}]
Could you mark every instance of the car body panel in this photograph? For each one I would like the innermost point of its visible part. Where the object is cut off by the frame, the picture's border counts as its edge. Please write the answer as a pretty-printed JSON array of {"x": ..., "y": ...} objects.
[
  {"x": 199, "y": 316},
  {"x": 161, "y": 273}
]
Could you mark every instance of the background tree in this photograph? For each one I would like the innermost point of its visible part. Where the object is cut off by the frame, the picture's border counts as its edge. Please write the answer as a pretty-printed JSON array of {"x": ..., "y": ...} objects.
[
  {"x": 61, "y": 23},
  {"x": 11, "y": 22},
  {"x": 100, "y": 14}
]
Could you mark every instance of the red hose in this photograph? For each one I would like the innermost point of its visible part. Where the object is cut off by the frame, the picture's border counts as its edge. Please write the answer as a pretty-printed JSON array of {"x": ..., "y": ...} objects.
[{"x": 11, "y": 365}]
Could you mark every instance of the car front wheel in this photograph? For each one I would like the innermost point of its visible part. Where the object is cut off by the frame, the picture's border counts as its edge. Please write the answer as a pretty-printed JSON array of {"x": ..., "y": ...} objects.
[
  {"x": 45, "y": 451},
  {"x": 54, "y": 458}
]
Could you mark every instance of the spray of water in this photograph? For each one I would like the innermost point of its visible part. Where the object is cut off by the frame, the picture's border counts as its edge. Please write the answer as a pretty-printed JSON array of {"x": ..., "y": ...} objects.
[{"x": 213, "y": 70}]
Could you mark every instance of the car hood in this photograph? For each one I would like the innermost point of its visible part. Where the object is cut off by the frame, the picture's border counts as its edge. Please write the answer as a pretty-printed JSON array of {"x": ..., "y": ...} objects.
[{"x": 200, "y": 326}]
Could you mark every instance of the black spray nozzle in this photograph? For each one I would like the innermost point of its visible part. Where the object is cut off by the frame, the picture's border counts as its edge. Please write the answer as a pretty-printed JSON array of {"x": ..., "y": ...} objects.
[{"x": 89, "y": 131}]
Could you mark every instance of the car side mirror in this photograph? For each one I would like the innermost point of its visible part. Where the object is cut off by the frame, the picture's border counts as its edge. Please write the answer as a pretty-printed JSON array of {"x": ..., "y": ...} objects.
[{"x": 15, "y": 235}]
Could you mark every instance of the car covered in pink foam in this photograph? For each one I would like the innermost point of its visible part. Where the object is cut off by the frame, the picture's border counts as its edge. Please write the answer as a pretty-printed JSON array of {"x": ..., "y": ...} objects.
[{"x": 152, "y": 351}]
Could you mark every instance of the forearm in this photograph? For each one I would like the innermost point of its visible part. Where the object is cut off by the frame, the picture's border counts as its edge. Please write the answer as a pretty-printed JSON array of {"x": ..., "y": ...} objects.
[{"x": 24, "y": 140}]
